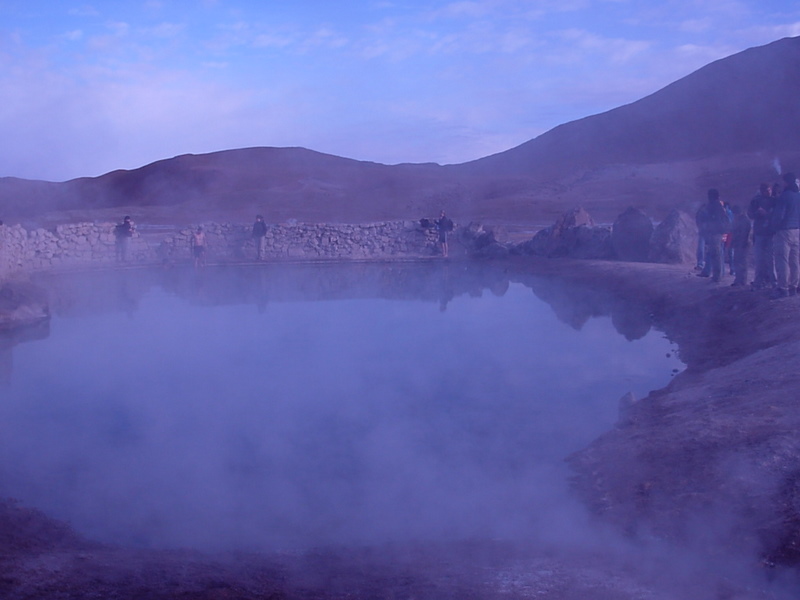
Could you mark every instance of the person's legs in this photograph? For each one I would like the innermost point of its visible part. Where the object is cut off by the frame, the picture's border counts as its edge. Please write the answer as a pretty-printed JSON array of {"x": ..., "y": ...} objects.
[
  {"x": 715, "y": 256},
  {"x": 762, "y": 248},
  {"x": 729, "y": 258},
  {"x": 793, "y": 242},
  {"x": 770, "y": 263},
  {"x": 740, "y": 265},
  {"x": 707, "y": 256},
  {"x": 780, "y": 243},
  {"x": 701, "y": 252}
]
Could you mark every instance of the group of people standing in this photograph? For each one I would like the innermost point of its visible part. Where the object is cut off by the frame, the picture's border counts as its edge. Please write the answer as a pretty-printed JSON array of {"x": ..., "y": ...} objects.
[{"x": 773, "y": 217}]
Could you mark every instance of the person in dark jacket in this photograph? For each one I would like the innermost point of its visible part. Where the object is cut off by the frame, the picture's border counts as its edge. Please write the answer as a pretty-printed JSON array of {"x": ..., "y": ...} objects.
[
  {"x": 715, "y": 225},
  {"x": 759, "y": 211},
  {"x": 740, "y": 245},
  {"x": 260, "y": 236},
  {"x": 444, "y": 225},
  {"x": 123, "y": 233},
  {"x": 785, "y": 222}
]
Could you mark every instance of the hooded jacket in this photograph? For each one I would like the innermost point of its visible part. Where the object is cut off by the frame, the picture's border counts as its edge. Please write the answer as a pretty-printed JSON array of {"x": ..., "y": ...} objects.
[{"x": 786, "y": 214}]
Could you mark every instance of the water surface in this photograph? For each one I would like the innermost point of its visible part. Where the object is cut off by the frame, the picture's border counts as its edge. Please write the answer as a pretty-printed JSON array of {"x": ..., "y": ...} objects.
[{"x": 286, "y": 408}]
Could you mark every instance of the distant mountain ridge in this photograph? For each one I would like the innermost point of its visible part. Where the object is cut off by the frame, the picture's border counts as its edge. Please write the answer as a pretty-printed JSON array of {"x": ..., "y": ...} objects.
[
  {"x": 721, "y": 126},
  {"x": 746, "y": 103}
]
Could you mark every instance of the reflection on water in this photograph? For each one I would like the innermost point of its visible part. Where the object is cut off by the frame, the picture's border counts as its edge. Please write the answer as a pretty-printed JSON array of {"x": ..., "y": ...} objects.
[{"x": 296, "y": 406}]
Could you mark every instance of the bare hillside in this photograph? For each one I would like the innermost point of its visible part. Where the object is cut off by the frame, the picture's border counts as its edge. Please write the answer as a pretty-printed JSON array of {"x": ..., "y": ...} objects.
[{"x": 727, "y": 125}]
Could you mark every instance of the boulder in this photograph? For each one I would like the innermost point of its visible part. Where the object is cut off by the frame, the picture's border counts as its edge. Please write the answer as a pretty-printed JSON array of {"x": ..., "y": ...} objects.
[
  {"x": 586, "y": 242},
  {"x": 573, "y": 235},
  {"x": 674, "y": 241},
  {"x": 630, "y": 235},
  {"x": 480, "y": 241},
  {"x": 22, "y": 304},
  {"x": 574, "y": 218}
]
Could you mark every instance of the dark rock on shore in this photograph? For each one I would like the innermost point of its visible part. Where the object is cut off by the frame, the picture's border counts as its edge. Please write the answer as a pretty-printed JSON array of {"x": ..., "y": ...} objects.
[
  {"x": 632, "y": 238},
  {"x": 573, "y": 235},
  {"x": 482, "y": 241},
  {"x": 630, "y": 235},
  {"x": 712, "y": 461},
  {"x": 22, "y": 303},
  {"x": 674, "y": 240}
]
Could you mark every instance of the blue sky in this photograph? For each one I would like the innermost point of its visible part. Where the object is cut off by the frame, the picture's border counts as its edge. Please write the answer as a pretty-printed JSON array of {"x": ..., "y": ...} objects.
[{"x": 86, "y": 88}]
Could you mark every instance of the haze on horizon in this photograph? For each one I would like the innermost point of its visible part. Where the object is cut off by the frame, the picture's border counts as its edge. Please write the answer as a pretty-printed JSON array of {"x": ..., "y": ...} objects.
[{"x": 90, "y": 88}]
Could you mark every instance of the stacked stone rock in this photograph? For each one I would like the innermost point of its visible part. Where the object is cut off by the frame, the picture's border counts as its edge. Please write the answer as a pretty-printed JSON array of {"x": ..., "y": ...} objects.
[
  {"x": 67, "y": 245},
  {"x": 574, "y": 235},
  {"x": 309, "y": 241},
  {"x": 85, "y": 244}
]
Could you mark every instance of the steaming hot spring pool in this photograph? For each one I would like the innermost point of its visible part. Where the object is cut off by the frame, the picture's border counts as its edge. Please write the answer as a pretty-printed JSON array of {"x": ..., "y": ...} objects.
[{"x": 289, "y": 407}]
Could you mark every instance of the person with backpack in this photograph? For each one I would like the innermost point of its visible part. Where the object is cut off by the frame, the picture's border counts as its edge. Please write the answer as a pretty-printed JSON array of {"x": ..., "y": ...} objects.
[{"x": 444, "y": 225}]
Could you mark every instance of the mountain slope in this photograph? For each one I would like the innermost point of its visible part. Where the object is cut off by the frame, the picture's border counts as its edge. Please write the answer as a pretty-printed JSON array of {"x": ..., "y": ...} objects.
[
  {"x": 721, "y": 126},
  {"x": 745, "y": 103}
]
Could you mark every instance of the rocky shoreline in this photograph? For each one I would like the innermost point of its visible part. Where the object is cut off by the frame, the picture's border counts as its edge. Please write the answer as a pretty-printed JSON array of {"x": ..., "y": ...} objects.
[
  {"x": 22, "y": 304},
  {"x": 713, "y": 459}
]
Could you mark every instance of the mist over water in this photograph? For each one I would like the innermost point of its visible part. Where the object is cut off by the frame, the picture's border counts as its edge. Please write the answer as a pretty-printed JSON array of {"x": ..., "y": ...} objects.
[{"x": 352, "y": 418}]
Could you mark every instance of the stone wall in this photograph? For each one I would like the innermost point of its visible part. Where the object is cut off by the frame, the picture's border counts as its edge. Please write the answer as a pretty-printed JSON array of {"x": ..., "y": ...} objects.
[{"x": 85, "y": 244}]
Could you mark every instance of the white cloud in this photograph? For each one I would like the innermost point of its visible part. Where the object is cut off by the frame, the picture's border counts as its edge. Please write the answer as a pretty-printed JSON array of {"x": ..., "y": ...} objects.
[
  {"x": 166, "y": 30},
  {"x": 84, "y": 11},
  {"x": 696, "y": 25},
  {"x": 514, "y": 41},
  {"x": 324, "y": 37},
  {"x": 118, "y": 28},
  {"x": 272, "y": 40},
  {"x": 466, "y": 8},
  {"x": 582, "y": 46},
  {"x": 701, "y": 54},
  {"x": 73, "y": 36},
  {"x": 779, "y": 31},
  {"x": 445, "y": 85}
]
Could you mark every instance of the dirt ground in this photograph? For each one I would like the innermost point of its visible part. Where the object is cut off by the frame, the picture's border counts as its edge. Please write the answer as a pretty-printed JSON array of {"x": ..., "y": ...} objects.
[{"x": 718, "y": 446}]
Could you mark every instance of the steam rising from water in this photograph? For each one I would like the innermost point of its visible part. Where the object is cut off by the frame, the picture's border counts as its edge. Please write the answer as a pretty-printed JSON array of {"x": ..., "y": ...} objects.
[{"x": 331, "y": 422}]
